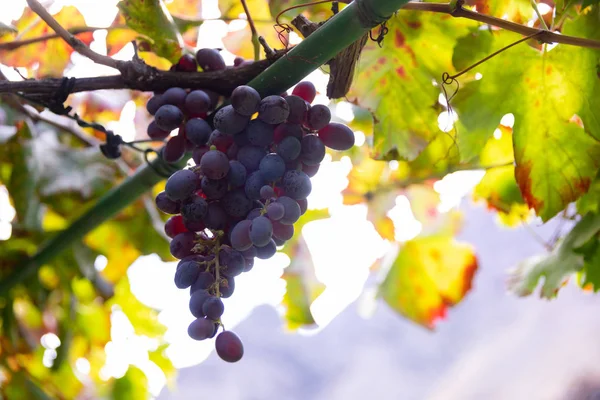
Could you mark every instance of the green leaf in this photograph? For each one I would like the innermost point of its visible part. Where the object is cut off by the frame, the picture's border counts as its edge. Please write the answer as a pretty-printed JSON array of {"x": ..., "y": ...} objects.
[
  {"x": 590, "y": 202},
  {"x": 556, "y": 157},
  {"x": 429, "y": 275},
  {"x": 151, "y": 19},
  {"x": 590, "y": 273},
  {"x": 132, "y": 386},
  {"x": 558, "y": 265},
  {"x": 396, "y": 81},
  {"x": 185, "y": 24},
  {"x": 519, "y": 11}
]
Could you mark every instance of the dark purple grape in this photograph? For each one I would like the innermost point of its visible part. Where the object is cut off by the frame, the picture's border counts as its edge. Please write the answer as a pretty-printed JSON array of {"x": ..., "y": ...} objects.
[
  {"x": 289, "y": 148},
  {"x": 237, "y": 174},
  {"x": 214, "y": 98},
  {"x": 216, "y": 217},
  {"x": 229, "y": 121},
  {"x": 232, "y": 151},
  {"x": 201, "y": 329},
  {"x": 199, "y": 152},
  {"x": 260, "y": 133},
  {"x": 154, "y": 132},
  {"x": 213, "y": 308},
  {"x": 174, "y": 149},
  {"x": 250, "y": 157},
  {"x": 240, "y": 235},
  {"x": 203, "y": 282},
  {"x": 245, "y": 100},
  {"x": 241, "y": 139},
  {"x": 318, "y": 117},
  {"x": 227, "y": 287},
  {"x": 220, "y": 140},
  {"x": 168, "y": 117},
  {"x": 275, "y": 211},
  {"x": 165, "y": 204},
  {"x": 296, "y": 184},
  {"x": 278, "y": 242},
  {"x": 254, "y": 213},
  {"x": 313, "y": 150},
  {"x": 174, "y": 226},
  {"x": 187, "y": 63},
  {"x": 154, "y": 104},
  {"x": 197, "y": 131},
  {"x": 285, "y": 130},
  {"x": 337, "y": 136},
  {"x": 273, "y": 110},
  {"x": 232, "y": 261},
  {"x": 291, "y": 210},
  {"x": 298, "y": 109},
  {"x": 214, "y": 164},
  {"x": 310, "y": 170},
  {"x": 303, "y": 203},
  {"x": 236, "y": 203},
  {"x": 261, "y": 231},
  {"x": 181, "y": 185},
  {"x": 194, "y": 209},
  {"x": 197, "y": 102},
  {"x": 249, "y": 264},
  {"x": 253, "y": 184},
  {"x": 181, "y": 246},
  {"x": 229, "y": 347},
  {"x": 305, "y": 90},
  {"x": 186, "y": 274},
  {"x": 194, "y": 226},
  {"x": 250, "y": 253},
  {"x": 238, "y": 61},
  {"x": 214, "y": 189},
  {"x": 282, "y": 232},
  {"x": 175, "y": 96},
  {"x": 266, "y": 192},
  {"x": 197, "y": 300},
  {"x": 210, "y": 60},
  {"x": 266, "y": 252},
  {"x": 271, "y": 167}
]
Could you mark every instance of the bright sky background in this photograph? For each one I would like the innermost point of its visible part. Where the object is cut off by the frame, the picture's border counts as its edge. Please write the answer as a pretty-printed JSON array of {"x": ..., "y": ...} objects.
[{"x": 329, "y": 240}]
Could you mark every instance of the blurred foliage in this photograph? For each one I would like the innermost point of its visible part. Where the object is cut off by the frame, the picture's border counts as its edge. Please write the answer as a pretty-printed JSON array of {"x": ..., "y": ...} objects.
[{"x": 537, "y": 167}]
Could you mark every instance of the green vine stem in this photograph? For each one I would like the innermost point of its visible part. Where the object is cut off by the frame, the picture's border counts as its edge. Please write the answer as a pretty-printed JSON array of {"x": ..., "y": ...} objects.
[{"x": 338, "y": 33}]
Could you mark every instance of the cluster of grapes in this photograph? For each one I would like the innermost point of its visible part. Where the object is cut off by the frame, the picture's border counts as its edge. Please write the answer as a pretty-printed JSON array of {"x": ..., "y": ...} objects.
[{"x": 249, "y": 186}]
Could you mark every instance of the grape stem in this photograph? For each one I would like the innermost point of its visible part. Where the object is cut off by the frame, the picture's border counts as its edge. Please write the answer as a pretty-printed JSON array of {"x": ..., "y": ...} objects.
[
  {"x": 255, "y": 43},
  {"x": 217, "y": 272}
]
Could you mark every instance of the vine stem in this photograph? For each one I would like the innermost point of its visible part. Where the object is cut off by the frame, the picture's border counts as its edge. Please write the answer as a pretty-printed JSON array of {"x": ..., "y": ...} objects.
[{"x": 255, "y": 43}]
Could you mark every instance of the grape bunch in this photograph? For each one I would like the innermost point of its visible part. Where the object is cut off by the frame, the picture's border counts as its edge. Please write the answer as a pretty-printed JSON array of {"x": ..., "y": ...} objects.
[{"x": 240, "y": 201}]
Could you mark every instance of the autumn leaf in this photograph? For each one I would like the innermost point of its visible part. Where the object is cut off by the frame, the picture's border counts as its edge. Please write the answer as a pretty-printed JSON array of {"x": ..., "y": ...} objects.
[{"x": 429, "y": 275}]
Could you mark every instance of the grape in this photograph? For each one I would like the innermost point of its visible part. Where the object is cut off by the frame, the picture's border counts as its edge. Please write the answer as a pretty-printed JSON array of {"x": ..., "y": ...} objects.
[
  {"x": 232, "y": 260},
  {"x": 236, "y": 204},
  {"x": 214, "y": 98},
  {"x": 237, "y": 174},
  {"x": 303, "y": 203},
  {"x": 298, "y": 109},
  {"x": 273, "y": 110},
  {"x": 238, "y": 61},
  {"x": 260, "y": 133},
  {"x": 249, "y": 265},
  {"x": 261, "y": 231},
  {"x": 229, "y": 347},
  {"x": 271, "y": 167},
  {"x": 313, "y": 150},
  {"x": 186, "y": 274},
  {"x": 214, "y": 189},
  {"x": 194, "y": 226},
  {"x": 227, "y": 287},
  {"x": 197, "y": 102},
  {"x": 250, "y": 157},
  {"x": 174, "y": 226},
  {"x": 203, "y": 282},
  {"x": 214, "y": 164},
  {"x": 253, "y": 184},
  {"x": 289, "y": 148},
  {"x": 245, "y": 100},
  {"x": 201, "y": 329},
  {"x": 165, "y": 204},
  {"x": 187, "y": 63},
  {"x": 310, "y": 170},
  {"x": 278, "y": 242},
  {"x": 266, "y": 192},
  {"x": 275, "y": 211},
  {"x": 291, "y": 210},
  {"x": 241, "y": 139},
  {"x": 213, "y": 308},
  {"x": 220, "y": 140},
  {"x": 197, "y": 300},
  {"x": 282, "y": 232},
  {"x": 197, "y": 131},
  {"x": 266, "y": 252},
  {"x": 194, "y": 209},
  {"x": 181, "y": 184},
  {"x": 216, "y": 218},
  {"x": 182, "y": 244},
  {"x": 210, "y": 60},
  {"x": 284, "y": 130},
  {"x": 174, "y": 149},
  {"x": 229, "y": 121},
  {"x": 154, "y": 132},
  {"x": 154, "y": 104},
  {"x": 199, "y": 153},
  {"x": 318, "y": 117},
  {"x": 240, "y": 235},
  {"x": 174, "y": 96},
  {"x": 168, "y": 117},
  {"x": 337, "y": 136},
  {"x": 305, "y": 90},
  {"x": 254, "y": 213},
  {"x": 296, "y": 184},
  {"x": 250, "y": 253}
]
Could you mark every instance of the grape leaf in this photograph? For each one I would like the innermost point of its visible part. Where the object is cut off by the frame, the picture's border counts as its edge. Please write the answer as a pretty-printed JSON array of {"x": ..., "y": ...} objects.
[
  {"x": 51, "y": 55},
  {"x": 131, "y": 386},
  {"x": 396, "y": 81},
  {"x": 589, "y": 276},
  {"x": 556, "y": 157},
  {"x": 519, "y": 11},
  {"x": 429, "y": 275},
  {"x": 557, "y": 266},
  {"x": 316, "y": 12}
]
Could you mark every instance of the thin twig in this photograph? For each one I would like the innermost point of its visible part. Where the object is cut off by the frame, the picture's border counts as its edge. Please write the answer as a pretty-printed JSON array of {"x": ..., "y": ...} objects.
[
  {"x": 15, "y": 44},
  {"x": 539, "y": 15},
  {"x": 255, "y": 43},
  {"x": 71, "y": 40},
  {"x": 69, "y": 127}
]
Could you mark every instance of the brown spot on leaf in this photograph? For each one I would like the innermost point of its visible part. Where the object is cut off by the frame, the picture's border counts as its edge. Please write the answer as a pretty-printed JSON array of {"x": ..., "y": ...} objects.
[
  {"x": 400, "y": 39},
  {"x": 381, "y": 60},
  {"x": 401, "y": 72},
  {"x": 548, "y": 69},
  {"x": 414, "y": 24},
  {"x": 468, "y": 275},
  {"x": 523, "y": 177},
  {"x": 582, "y": 185}
]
